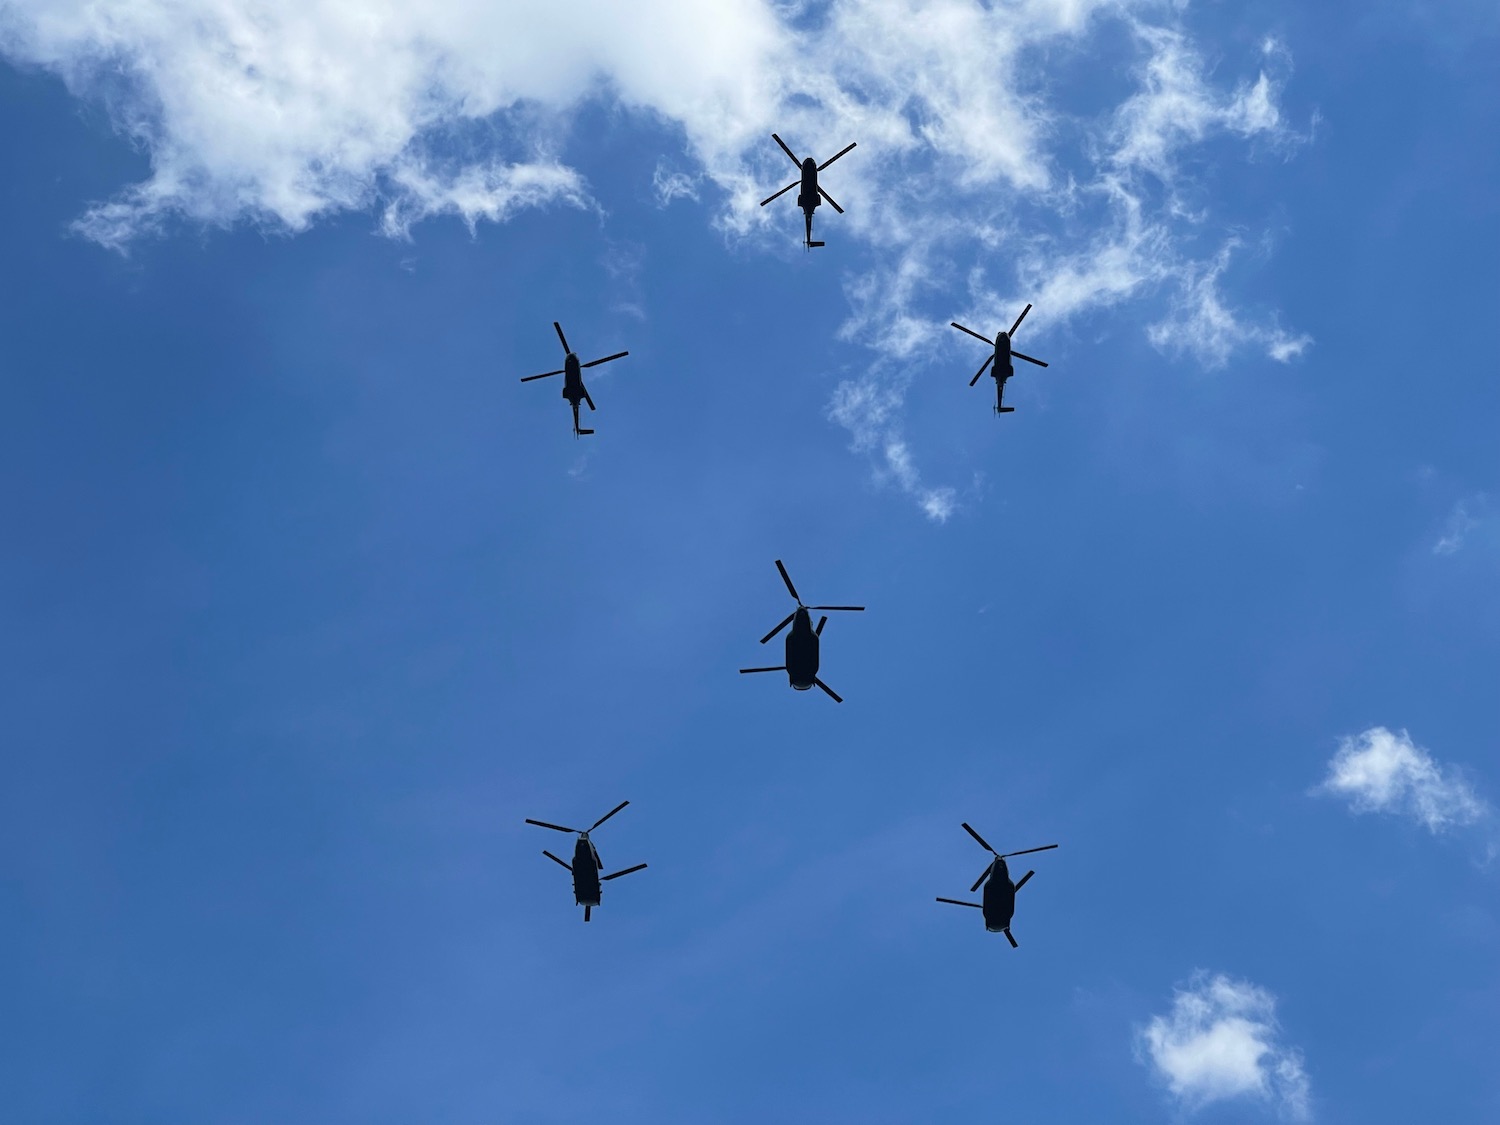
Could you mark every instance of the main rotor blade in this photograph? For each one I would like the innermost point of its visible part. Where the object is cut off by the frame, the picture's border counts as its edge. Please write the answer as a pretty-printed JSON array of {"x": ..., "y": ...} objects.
[
  {"x": 831, "y": 159},
  {"x": 780, "y": 627},
  {"x": 830, "y": 199},
  {"x": 1020, "y": 318},
  {"x": 1028, "y": 851},
  {"x": 782, "y": 192},
  {"x": 983, "y": 367},
  {"x": 821, "y": 622},
  {"x": 788, "y": 580},
  {"x": 554, "y": 827},
  {"x": 617, "y": 874},
  {"x": 543, "y": 375},
  {"x": 850, "y": 608},
  {"x": 590, "y": 400},
  {"x": 1024, "y": 877},
  {"x": 561, "y": 337},
  {"x": 971, "y": 332},
  {"x": 587, "y": 910},
  {"x": 554, "y": 859},
  {"x": 955, "y": 902},
  {"x": 606, "y": 359},
  {"x": 790, "y": 154},
  {"x": 980, "y": 838},
  {"x": 779, "y": 668},
  {"x": 980, "y": 881},
  {"x": 1014, "y": 944},
  {"x": 831, "y": 693},
  {"x": 607, "y": 815},
  {"x": 1027, "y": 358}
]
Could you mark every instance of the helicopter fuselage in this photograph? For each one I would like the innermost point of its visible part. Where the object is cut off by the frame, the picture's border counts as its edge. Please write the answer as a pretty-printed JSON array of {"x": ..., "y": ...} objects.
[
  {"x": 802, "y": 652},
  {"x": 999, "y": 900},
  {"x": 1003, "y": 367},
  {"x": 573, "y": 389},
  {"x": 585, "y": 872},
  {"x": 575, "y": 392},
  {"x": 1002, "y": 370},
  {"x": 807, "y": 197}
]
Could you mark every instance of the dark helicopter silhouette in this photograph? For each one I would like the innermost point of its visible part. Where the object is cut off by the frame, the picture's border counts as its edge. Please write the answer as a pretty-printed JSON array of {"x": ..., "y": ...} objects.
[
  {"x": 1001, "y": 359},
  {"x": 572, "y": 372},
  {"x": 586, "y": 866},
  {"x": 809, "y": 197},
  {"x": 801, "y": 665},
  {"x": 999, "y": 904}
]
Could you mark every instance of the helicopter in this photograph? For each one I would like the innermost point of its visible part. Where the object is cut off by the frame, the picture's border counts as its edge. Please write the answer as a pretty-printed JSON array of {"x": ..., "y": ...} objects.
[
  {"x": 572, "y": 372},
  {"x": 1001, "y": 360},
  {"x": 808, "y": 198},
  {"x": 801, "y": 665},
  {"x": 999, "y": 892},
  {"x": 586, "y": 866}
]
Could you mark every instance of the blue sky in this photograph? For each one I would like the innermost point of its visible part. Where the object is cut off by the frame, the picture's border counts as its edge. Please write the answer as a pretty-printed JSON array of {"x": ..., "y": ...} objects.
[{"x": 308, "y": 603}]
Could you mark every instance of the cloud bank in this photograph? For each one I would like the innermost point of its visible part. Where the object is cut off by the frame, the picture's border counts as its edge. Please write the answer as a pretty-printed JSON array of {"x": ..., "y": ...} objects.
[
  {"x": 1220, "y": 1042},
  {"x": 1382, "y": 771},
  {"x": 972, "y": 150}
]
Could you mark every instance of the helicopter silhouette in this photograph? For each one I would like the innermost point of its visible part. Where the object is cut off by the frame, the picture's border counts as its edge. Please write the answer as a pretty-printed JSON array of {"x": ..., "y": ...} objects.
[
  {"x": 586, "y": 866},
  {"x": 572, "y": 372},
  {"x": 1001, "y": 359},
  {"x": 808, "y": 198},
  {"x": 801, "y": 665},
  {"x": 999, "y": 903}
]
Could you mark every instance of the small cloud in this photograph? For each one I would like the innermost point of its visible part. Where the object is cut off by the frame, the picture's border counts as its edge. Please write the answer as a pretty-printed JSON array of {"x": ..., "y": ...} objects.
[
  {"x": 867, "y": 408},
  {"x": 1467, "y": 514},
  {"x": 1221, "y": 1041},
  {"x": 1382, "y": 771},
  {"x": 669, "y": 186},
  {"x": 1202, "y": 324}
]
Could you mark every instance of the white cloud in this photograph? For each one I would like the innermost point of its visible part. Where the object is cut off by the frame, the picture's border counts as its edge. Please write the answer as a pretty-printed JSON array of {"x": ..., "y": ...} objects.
[
  {"x": 280, "y": 112},
  {"x": 668, "y": 185},
  {"x": 869, "y": 409},
  {"x": 1221, "y": 1041},
  {"x": 1382, "y": 771},
  {"x": 1177, "y": 106},
  {"x": 1201, "y": 324},
  {"x": 1467, "y": 515}
]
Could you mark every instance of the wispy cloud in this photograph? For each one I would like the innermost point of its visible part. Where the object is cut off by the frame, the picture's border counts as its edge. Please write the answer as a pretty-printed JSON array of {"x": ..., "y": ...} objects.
[
  {"x": 1466, "y": 516},
  {"x": 668, "y": 185},
  {"x": 1176, "y": 106},
  {"x": 1203, "y": 325},
  {"x": 279, "y": 113},
  {"x": 1384, "y": 771},
  {"x": 1220, "y": 1041},
  {"x": 868, "y": 407}
]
